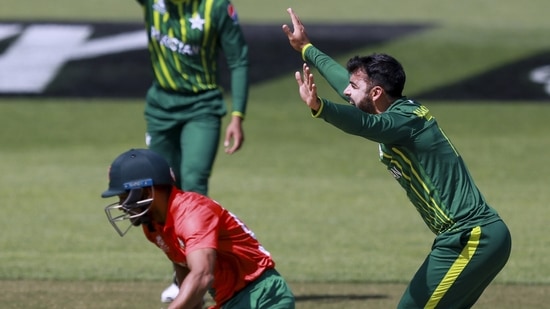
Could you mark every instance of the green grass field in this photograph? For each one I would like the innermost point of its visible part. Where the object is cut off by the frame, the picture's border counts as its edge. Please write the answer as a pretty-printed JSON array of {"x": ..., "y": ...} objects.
[{"x": 340, "y": 228}]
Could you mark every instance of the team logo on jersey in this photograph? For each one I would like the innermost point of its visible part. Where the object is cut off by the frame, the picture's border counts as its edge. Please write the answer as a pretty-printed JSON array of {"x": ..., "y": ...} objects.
[
  {"x": 197, "y": 22},
  {"x": 232, "y": 13}
]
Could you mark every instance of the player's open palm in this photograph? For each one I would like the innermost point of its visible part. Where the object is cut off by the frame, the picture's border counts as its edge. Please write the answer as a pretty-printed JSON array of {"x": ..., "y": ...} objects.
[{"x": 307, "y": 88}]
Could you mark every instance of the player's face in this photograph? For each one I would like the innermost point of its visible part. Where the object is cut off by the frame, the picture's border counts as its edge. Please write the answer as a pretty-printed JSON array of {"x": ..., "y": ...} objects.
[
  {"x": 359, "y": 92},
  {"x": 133, "y": 213},
  {"x": 137, "y": 213},
  {"x": 132, "y": 209}
]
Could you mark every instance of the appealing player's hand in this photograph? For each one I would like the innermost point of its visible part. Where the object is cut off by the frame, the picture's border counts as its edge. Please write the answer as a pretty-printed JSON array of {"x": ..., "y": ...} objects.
[
  {"x": 234, "y": 136},
  {"x": 297, "y": 38},
  {"x": 307, "y": 88}
]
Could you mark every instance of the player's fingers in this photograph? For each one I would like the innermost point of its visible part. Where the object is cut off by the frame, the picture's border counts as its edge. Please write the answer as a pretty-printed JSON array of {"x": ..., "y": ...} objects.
[
  {"x": 308, "y": 77},
  {"x": 236, "y": 146},
  {"x": 298, "y": 77},
  {"x": 227, "y": 145},
  {"x": 237, "y": 142},
  {"x": 286, "y": 29},
  {"x": 295, "y": 20},
  {"x": 306, "y": 70}
]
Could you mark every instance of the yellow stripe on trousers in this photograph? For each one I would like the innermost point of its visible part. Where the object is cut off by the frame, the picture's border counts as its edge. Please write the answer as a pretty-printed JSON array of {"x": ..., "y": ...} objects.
[{"x": 458, "y": 266}]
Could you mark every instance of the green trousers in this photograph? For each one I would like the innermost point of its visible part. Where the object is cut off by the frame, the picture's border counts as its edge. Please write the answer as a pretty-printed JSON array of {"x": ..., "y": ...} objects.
[
  {"x": 185, "y": 130},
  {"x": 459, "y": 268}
]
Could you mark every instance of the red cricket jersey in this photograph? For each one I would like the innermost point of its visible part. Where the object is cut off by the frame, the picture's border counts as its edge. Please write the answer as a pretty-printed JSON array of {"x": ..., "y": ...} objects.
[{"x": 196, "y": 222}]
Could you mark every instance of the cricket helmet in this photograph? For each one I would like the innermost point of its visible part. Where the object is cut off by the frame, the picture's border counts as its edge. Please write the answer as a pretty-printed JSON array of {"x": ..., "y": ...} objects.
[{"x": 129, "y": 174}]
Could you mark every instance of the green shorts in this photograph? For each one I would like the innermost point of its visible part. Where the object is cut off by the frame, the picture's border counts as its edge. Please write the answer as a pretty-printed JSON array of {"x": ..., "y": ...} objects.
[{"x": 269, "y": 291}]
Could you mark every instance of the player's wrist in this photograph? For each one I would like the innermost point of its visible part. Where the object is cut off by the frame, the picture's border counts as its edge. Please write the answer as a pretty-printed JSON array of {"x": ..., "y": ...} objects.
[
  {"x": 304, "y": 48},
  {"x": 237, "y": 115}
]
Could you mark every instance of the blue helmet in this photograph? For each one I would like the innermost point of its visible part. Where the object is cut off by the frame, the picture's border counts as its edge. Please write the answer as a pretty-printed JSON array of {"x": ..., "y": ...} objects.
[
  {"x": 129, "y": 174},
  {"x": 137, "y": 168}
]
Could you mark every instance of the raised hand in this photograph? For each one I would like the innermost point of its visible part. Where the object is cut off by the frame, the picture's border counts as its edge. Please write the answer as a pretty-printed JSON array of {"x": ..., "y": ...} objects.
[
  {"x": 307, "y": 88},
  {"x": 297, "y": 38}
]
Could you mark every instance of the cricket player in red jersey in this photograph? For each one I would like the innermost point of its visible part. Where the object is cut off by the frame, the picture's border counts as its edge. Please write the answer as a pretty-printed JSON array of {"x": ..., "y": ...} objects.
[{"x": 211, "y": 249}]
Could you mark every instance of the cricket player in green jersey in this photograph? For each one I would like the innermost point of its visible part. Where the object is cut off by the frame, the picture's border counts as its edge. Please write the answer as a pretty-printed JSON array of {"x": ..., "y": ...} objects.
[
  {"x": 472, "y": 243},
  {"x": 185, "y": 103}
]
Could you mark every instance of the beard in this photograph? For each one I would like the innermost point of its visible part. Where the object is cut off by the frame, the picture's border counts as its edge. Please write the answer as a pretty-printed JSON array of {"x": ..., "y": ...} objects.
[{"x": 366, "y": 105}]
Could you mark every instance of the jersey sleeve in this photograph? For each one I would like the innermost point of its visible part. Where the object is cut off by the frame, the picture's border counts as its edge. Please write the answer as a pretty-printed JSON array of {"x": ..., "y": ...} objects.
[
  {"x": 235, "y": 49},
  {"x": 392, "y": 126},
  {"x": 335, "y": 74}
]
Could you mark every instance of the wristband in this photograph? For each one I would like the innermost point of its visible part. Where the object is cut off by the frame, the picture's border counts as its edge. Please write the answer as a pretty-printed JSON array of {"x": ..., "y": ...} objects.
[
  {"x": 238, "y": 114},
  {"x": 308, "y": 45}
]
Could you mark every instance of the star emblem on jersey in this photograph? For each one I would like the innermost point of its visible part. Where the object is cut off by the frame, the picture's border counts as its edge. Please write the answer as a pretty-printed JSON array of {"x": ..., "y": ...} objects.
[{"x": 196, "y": 22}]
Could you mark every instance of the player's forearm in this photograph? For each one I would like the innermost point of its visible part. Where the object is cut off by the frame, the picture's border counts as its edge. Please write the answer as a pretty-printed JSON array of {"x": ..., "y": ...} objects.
[
  {"x": 192, "y": 291},
  {"x": 239, "y": 91},
  {"x": 336, "y": 75},
  {"x": 183, "y": 299}
]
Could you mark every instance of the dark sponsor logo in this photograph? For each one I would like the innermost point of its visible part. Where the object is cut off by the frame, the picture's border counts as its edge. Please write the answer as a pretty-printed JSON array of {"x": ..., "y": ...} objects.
[
  {"x": 111, "y": 59},
  {"x": 524, "y": 80}
]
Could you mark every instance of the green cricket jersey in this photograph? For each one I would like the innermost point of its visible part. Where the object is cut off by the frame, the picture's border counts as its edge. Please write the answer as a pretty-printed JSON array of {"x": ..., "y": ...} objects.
[
  {"x": 415, "y": 150},
  {"x": 184, "y": 40}
]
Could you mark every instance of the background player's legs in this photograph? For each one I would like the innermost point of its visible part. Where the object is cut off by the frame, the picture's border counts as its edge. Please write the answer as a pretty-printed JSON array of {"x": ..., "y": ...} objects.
[
  {"x": 199, "y": 145},
  {"x": 167, "y": 144}
]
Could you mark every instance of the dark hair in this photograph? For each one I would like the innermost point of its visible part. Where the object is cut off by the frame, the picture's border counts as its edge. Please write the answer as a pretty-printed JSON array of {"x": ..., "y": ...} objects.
[{"x": 382, "y": 70}]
